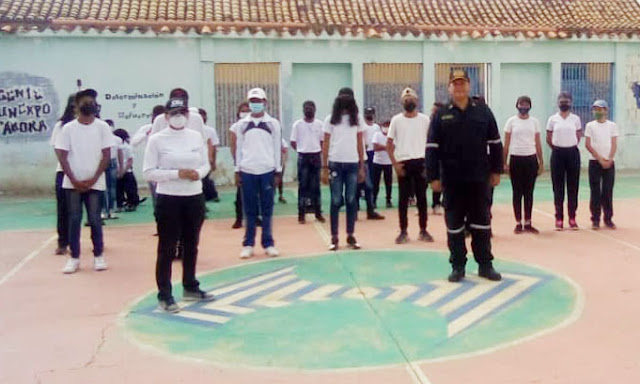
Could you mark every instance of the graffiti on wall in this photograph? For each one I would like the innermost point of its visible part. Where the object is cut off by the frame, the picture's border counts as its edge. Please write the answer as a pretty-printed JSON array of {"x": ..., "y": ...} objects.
[{"x": 28, "y": 106}]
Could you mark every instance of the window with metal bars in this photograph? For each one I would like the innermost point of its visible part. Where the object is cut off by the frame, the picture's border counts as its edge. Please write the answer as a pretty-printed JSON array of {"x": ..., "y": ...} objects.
[
  {"x": 478, "y": 76},
  {"x": 383, "y": 84},
  {"x": 588, "y": 82},
  {"x": 233, "y": 81}
]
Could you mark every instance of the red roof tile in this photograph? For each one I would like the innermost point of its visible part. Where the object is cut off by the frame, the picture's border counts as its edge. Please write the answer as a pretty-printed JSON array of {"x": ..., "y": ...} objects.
[{"x": 369, "y": 18}]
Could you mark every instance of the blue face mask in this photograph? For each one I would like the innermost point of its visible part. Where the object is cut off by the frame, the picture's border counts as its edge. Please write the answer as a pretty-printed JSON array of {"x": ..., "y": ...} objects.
[{"x": 256, "y": 107}]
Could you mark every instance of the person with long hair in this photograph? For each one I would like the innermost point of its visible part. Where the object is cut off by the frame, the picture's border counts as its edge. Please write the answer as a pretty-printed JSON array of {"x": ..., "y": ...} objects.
[
  {"x": 523, "y": 160},
  {"x": 68, "y": 115},
  {"x": 343, "y": 162}
]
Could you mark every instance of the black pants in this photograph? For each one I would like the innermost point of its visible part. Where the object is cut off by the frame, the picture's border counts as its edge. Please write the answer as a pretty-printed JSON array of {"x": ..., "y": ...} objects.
[
  {"x": 378, "y": 170},
  {"x": 209, "y": 188},
  {"x": 523, "y": 171},
  {"x": 601, "y": 182},
  {"x": 62, "y": 211},
  {"x": 467, "y": 200},
  {"x": 309, "y": 166},
  {"x": 127, "y": 191},
  {"x": 414, "y": 180},
  {"x": 436, "y": 198},
  {"x": 238, "y": 204},
  {"x": 178, "y": 218},
  {"x": 565, "y": 169}
]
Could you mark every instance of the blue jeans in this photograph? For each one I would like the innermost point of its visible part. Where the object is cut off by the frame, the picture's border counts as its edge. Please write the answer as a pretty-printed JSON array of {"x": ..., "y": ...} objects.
[
  {"x": 343, "y": 185},
  {"x": 257, "y": 198},
  {"x": 111, "y": 176},
  {"x": 92, "y": 201}
]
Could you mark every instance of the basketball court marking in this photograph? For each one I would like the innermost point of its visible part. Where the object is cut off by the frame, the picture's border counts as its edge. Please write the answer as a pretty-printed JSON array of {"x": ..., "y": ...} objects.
[{"x": 26, "y": 259}]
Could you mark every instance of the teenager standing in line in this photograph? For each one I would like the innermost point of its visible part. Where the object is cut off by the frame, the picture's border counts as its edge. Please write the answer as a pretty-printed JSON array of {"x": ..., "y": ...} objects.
[
  {"x": 382, "y": 165},
  {"x": 242, "y": 112}
]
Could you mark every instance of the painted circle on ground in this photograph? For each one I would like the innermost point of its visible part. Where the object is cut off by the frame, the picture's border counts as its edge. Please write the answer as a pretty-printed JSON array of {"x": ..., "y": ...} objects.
[{"x": 353, "y": 309}]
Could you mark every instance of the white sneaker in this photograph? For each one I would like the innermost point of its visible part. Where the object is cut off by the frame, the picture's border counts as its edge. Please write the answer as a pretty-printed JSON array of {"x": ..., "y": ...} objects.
[
  {"x": 71, "y": 266},
  {"x": 247, "y": 252},
  {"x": 99, "y": 264},
  {"x": 272, "y": 251}
]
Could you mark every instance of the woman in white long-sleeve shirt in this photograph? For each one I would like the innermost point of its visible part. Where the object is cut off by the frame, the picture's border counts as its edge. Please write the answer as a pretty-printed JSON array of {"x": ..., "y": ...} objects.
[{"x": 177, "y": 159}]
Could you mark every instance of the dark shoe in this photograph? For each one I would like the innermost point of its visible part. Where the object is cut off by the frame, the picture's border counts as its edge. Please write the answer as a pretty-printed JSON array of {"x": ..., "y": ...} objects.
[
  {"x": 402, "y": 238},
  {"x": 425, "y": 236},
  {"x": 237, "y": 224},
  {"x": 531, "y": 229},
  {"x": 61, "y": 251},
  {"x": 301, "y": 219},
  {"x": 610, "y": 225},
  {"x": 352, "y": 242},
  {"x": 334, "y": 244},
  {"x": 559, "y": 225},
  {"x": 281, "y": 200},
  {"x": 457, "y": 274},
  {"x": 389, "y": 204},
  {"x": 518, "y": 229},
  {"x": 142, "y": 200},
  {"x": 595, "y": 225},
  {"x": 374, "y": 216},
  {"x": 320, "y": 218},
  {"x": 216, "y": 199},
  {"x": 198, "y": 295},
  {"x": 169, "y": 305},
  {"x": 489, "y": 273}
]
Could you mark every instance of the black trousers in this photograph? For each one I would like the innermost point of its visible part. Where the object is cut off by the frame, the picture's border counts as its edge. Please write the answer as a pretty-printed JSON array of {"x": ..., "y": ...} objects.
[
  {"x": 127, "y": 190},
  {"x": 414, "y": 180},
  {"x": 178, "y": 218},
  {"x": 565, "y": 170},
  {"x": 467, "y": 200},
  {"x": 238, "y": 204},
  {"x": 436, "y": 198},
  {"x": 378, "y": 171},
  {"x": 309, "y": 166},
  {"x": 62, "y": 211},
  {"x": 601, "y": 183},
  {"x": 523, "y": 171},
  {"x": 209, "y": 188}
]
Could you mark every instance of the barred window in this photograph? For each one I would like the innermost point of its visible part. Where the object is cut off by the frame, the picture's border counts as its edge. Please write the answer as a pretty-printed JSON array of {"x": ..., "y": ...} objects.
[
  {"x": 588, "y": 82},
  {"x": 383, "y": 84}
]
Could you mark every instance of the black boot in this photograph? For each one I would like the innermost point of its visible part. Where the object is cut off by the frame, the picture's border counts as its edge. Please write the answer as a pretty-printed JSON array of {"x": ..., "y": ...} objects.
[
  {"x": 457, "y": 274},
  {"x": 488, "y": 272}
]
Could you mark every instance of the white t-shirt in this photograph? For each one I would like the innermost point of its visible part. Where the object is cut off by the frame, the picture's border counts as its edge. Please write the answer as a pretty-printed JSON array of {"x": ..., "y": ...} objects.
[
  {"x": 343, "y": 144},
  {"x": 601, "y": 134},
  {"x": 523, "y": 135},
  {"x": 117, "y": 145},
  {"x": 211, "y": 134},
  {"x": 370, "y": 131},
  {"x": 381, "y": 157},
  {"x": 57, "y": 129},
  {"x": 85, "y": 144},
  {"x": 127, "y": 154},
  {"x": 409, "y": 136},
  {"x": 564, "y": 130},
  {"x": 308, "y": 136}
]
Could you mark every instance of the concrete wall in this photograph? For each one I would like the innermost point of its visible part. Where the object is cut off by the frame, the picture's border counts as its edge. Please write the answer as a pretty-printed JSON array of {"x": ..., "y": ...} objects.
[{"x": 147, "y": 67}]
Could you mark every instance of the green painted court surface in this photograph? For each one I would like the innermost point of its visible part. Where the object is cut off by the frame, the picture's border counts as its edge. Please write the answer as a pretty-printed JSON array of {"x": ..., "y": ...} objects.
[
  {"x": 16, "y": 213},
  {"x": 353, "y": 309}
]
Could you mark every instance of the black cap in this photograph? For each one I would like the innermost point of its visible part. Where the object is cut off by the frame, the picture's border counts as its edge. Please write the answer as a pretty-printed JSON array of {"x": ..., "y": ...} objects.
[
  {"x": 370, "y": 111},
  {"x": 176, "y": 103},
  {"x": 86, "y": 92},
  {"x": 457, "y": 74}
]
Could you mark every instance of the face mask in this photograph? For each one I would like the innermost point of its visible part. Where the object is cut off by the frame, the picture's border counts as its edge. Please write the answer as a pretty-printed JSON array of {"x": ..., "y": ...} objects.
[
  {"x": 410, "y": 106},
  {"x": 256, "y": 107},
  {"x": 89, "y": 109},
  {"x": 524, "y": 111},
  {"x": 178, "y": 121},
  {"x": 564, "y": 107},
  {"x": 598, "y": 115},
  {"x": 309, "y": 114}
]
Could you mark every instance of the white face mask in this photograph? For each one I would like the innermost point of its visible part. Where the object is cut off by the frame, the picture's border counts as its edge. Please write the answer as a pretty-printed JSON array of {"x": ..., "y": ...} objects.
[
  {"x": 243, "y": 114},
  {"x": 178, "y": 121}
]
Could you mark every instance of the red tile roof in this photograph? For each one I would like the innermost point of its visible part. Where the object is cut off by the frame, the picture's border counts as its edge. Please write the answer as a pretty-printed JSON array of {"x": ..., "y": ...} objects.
[{"x": 369, "y": 18}]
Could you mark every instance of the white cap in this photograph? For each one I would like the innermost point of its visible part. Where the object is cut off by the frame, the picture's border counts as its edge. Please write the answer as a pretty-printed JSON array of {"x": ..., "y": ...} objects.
[{"x": 257, "y": 93}]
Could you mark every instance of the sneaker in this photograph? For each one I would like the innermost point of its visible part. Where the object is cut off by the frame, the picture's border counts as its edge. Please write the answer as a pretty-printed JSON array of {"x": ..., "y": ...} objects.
[
  {"x": 61, "y": 251},
  {"x": 402, "y": 238},
  {"x": 456, "y": 275},
  {"x": 99, "y": 264},
  {"x": 559, "y": 225},
  {"x": 272, "y": 251},
  {"x": 112, "y": 216},
  {"x": 237, "y": 224},
  {"x": 320, "y": 218},
  {"x": 247, "y": 252},
  {"x": 282, "y": 200},
  {"x": 437, "y": 210},
  {"x": 334, "y": 244},
  {"x": 518, "y": 229},
  {"x": 531, "y": 229},
  {"x": 71, "y": 266},
  {"x": 198, "y": 295},
  {"x": 595, "y": 225},
  {"x": 169, "y": 305},
  {"x": 609, "y": 224},
  {"x": 103, "y": 216},
  {"x": 425, "y": 236},
  {"x": 573, "y": 225},
  {"x": 389, "y": 204},
  {"x": 374, "y": 216},
  {"x": 301, "y": 219},
  {"x": 489, "y": 273},
  {"x": 352, "y": 242}
]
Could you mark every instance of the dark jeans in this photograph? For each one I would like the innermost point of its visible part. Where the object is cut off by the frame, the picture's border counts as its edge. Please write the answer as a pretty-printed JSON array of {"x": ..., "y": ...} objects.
[
  {"x": 111, "y": 177},
  {"x": 62, "y": 211},
  {"x": 565, "y": 168},
  {"x": 367, "y": 187},
  {"x": 309, "y": 165},
  {"x": 378, "y": 170},
  {"x": 523, "y": 171},
  {"x": 92, "y": 201},
  {"x": 343, "y": 185},
  {"x": 601, "y": 182},
  {"x": 238, "y": 204},
  {"x": 257, "y": 198},
  {"x": 413, "y": 181},
  {"x": 127, "y": 191},
  {"x": 467, "y": 200},
  {"x": 178, "y": 218}
]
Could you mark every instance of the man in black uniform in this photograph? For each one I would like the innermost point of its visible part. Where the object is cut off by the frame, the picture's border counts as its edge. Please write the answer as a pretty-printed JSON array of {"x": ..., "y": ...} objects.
[{"x": 459, "y": 164}]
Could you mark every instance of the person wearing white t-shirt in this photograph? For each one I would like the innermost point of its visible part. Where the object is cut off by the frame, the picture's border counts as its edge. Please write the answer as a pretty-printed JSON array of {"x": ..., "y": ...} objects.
[
  {"x": 602, "y": 143},
  {"x": 406, "y": 143},
  {"x": 68, "y": 115},
  {"x": 382, "y": 164},
  {"x": 306, "y": 139},
  {"x": 523, "y": 160},
  {"x": 564, "y": 130},
  {"x": 127, "y": 196},
  {"x": 213, "y": 141},
  {"x": 366, "y": 186},
  {"x": 83, "y": 149},
  {"x": 343, "y": 162}
]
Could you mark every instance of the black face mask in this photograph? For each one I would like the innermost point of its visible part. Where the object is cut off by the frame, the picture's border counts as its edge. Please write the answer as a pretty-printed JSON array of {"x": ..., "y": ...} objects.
[
  {"x": 524, "y": 111},
  {"x": 410, "y": 106},
  {"x": 564, "y": 107},
  {"x": 89, "y": 109},
  {"x": 309, "y": 114}
]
